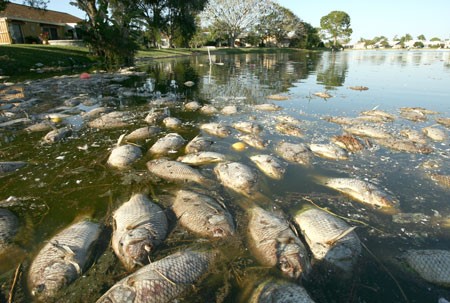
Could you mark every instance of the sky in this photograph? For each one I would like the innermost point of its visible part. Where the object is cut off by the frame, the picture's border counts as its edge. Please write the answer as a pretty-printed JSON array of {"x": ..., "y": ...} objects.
[{"x": 369, "y": 18}]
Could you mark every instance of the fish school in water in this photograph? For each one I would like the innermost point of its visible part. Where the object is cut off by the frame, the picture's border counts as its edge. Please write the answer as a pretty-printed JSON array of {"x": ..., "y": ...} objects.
[{"x": 218, "y": 176}]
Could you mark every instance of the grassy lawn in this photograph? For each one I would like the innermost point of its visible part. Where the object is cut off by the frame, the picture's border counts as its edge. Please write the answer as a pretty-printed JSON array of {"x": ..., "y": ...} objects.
[{"x": 17, "y": 60}]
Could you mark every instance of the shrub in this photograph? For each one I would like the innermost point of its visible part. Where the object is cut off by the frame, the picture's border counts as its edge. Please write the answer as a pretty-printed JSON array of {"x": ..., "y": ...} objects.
[{"x": 31, "y": 40}]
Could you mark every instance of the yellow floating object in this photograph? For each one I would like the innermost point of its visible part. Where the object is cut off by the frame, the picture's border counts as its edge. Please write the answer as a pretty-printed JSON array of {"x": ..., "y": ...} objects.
[
  {"x": 56, "y": 119},
  {"x": 239, "y": 146}
]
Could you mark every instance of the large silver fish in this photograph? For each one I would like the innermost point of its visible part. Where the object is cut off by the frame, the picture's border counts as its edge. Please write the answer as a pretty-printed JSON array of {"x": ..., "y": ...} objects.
[
  {"x": 267, "y": 107},
  {"x": 202, "y": 215},
  {"x": 295, "y": 152},
  {"x": 156, "y": 115},
  {"x": 203, "y": 157},
  {"x": 289, "y": 129},
  {"x": 9, "y": 225},
  {"x": 368, "y": 131},
  {"x": 216, "y": 129},
  {"x": 329, "y": 238},
  {"x": 433, "y": 265},
  {"x": 361, "y": 191},
  {"x": 161, "y": 281},
  {"x": 248, "y": 127},
  {"x": 139, "y": 226},
  {"x": 62, "y": 259},
  {"x": 57, "y": 135},
  {"x": 273, "y": 243},
  {"x": 143, "y": 133},
  {"x": 270, "y": 165},
  {"x": 175, "y": 171},
  {"x": 169, "y": 143},
  {"x": 237, "y": 177},
  {"x": 435, "y": 134},
  {"x": 123, "y": 156},
  {"x": 379, "y": 113},
  {"x": 279, "y": 291},
  {"x": 348, "y": 142},
  {"x": 198, "y": 144},
  {"x": 254, "y": 141},
  {"x": 405, "y": 146},
  {"x": 328, "y": 151},
  {"x": 111, "y": 120},
  {"x": 443, "y": 121}
]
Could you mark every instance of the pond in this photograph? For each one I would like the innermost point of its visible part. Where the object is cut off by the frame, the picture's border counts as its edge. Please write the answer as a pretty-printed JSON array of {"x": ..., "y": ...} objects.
[{"x": 69, "y": 180}]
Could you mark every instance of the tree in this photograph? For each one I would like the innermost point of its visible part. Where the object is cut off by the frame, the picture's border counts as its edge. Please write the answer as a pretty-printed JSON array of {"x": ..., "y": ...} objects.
[
  {"x": 236, "y": 16},
  {"x": 337, "y": 25},
  {"x": 418, "y": 44},
  {"x": 421, "y": 38},
  {"x": 306, "y": 36},
  {"x": 435, "y": 39},
  {"x": 3, "y": 4},
  {"x": 36, "y": 3}
]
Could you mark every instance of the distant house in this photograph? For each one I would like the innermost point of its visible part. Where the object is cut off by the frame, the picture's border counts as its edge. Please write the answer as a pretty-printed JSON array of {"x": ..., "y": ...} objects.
[{"x": 21, "y": 23}]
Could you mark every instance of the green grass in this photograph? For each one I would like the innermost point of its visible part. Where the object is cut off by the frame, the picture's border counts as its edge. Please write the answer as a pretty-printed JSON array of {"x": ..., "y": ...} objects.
[{"x": 17, "y": 60}]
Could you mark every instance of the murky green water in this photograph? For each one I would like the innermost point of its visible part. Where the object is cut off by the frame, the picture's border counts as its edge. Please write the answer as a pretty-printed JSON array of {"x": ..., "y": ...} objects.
[{"x": 65, "y": 181}]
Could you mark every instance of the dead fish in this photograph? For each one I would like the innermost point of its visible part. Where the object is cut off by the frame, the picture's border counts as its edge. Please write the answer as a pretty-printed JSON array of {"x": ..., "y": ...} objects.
[
  {"x": 270, "y": 165},
  {"x": 323, "y": 95},
  {"x": 198, "y": 144},
  {"x": 329, "y": 238},
  {"x": 328, "y": 151},
  {"x": 342, "y": 120},
  {"x": 237, "y": 177},
  {"x": 267, "y": 107},
  {"x": 361, "y": 191},
  {"x": 379, "y": 113},
  {"x": 110, "y": 120},
  {"x": 161, "y": 281},
  {"x": 57, "y": 135},
  {"x": 443, "y": 180},
  {"x": 156, "y": 115},
  {"x": 254, "y": 141},
  {"x": 216, "y": 129},
  {"x": 123, "y": 156},
  {"x": 44, "y": 126},
  {"x": 201, "y": 158},
  {"x": 287, "y": 119},
  {"x": 169, "y": 143},
  {"x": 63, "y": 259},
  {"x": 279, "y": 291},
  {"x": 372, "y": 119},
  {"x": 95, "y": 113},
  {"x": 348, "y": 142},
  {"x": 175, "y": 171},
  {"x": 422, "y": 110},
  {"x": 277, "y": 97},
  {"x": 208, "y": 109},
  {"x": 289, "y": 129},
  {"x": 9, "y": 226},
  {"x": 202, "y": 215},
  {"x": 143, "y": 133},
  {"x": 273, "y": 243},
  {"x": 192, "y": 106},
  {"x": 248, "y": 127},
  {"x": 295, "y": 152},
  {"x": 443, "y": 121},
  {"x": 139, "y": 226},
  {"x": 367, "y": 131},
  {"x": 434, "y": 133},
  {"x": 432, "y": 265},
  {"x": 413, "y": 136},
  {"x": 405, "y": 146},
  {"x": 10, "y": 166},
  {"x": 413, "y": 115},
  {"x": 229, "y": 110},
  {"x": 172, "y": 122},
  {"x": 358, "y": 87}
]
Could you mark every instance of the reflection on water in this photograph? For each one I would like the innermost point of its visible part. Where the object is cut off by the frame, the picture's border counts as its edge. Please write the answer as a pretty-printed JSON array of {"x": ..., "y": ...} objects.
[{"x": 67, "y": 181}]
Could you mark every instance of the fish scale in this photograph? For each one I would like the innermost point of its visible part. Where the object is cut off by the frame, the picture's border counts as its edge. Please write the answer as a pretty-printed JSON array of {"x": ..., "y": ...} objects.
[
  {"x": 62, "y": 259},
  {"x": 139, "y": 226},
  {"x": 175, "y": 171},
  {"x": 202, "y": 214},
  {"x": 432, "y": 265},
  {"x": 280, "y": 291},
  {"x": 327, "y": 238},
  {"x": 275, "y": 244},
  {"x": 160, "y": 281},
  {"x": 9, "y": 224}
]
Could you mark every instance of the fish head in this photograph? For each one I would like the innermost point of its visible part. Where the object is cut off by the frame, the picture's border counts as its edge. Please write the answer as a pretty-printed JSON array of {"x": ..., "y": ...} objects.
[
  {"x": 135, "y": 246},
  {"x": 221, "y": 226},
  {"x": 293, "y": 263},
  {"x": 52, "y": 279}
]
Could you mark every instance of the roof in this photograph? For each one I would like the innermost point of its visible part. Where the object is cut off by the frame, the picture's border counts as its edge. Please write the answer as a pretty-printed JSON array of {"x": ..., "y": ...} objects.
[{"x": 27, "y": 13}]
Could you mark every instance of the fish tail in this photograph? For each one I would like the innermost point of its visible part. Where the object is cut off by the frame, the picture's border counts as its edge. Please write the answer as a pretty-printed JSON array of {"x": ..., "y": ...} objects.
[{"x": 321, "y": 180}]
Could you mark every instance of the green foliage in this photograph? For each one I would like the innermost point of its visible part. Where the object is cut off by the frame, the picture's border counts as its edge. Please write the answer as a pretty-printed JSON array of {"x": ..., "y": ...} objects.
[
  {"x": 336, "y": 25},
  {"x": 421, "y": 37},
  {"x": 36, "y": 3},
  {"x": 435, "y": 39},
  {"x": 308, "y": 38},
  {"x": 3, "y": 4},
  {"x": 418, "y": 44}
]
